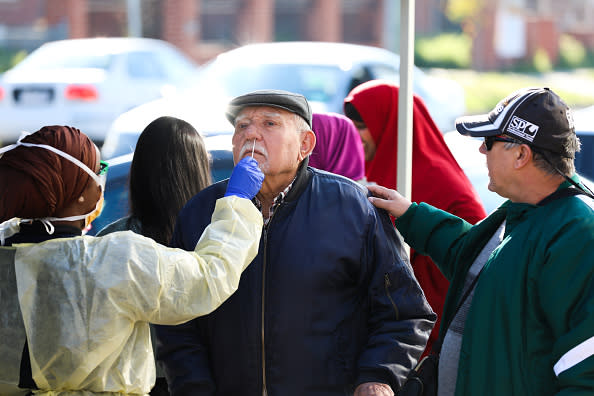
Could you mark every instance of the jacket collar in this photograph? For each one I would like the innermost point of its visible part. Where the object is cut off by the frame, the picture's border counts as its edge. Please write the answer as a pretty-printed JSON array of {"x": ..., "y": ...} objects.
[{"x": 301, "y": 181}]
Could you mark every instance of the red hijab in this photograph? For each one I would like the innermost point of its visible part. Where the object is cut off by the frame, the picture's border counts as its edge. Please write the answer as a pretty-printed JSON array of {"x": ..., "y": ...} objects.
[
  {"x": 437, "y": 179},
  {"x": 35, "y": 182}
]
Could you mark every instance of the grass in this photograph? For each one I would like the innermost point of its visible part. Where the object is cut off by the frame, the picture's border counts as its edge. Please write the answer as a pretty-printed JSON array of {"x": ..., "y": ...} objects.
[{"x": 485, "y": 90}]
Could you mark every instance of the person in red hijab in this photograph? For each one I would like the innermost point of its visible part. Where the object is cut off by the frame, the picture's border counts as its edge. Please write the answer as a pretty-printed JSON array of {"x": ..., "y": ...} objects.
[{"x": 437, "y": 179}]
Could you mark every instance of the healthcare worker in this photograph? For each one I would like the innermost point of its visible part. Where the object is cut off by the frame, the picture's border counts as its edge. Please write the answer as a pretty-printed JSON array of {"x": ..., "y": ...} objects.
[{"x": 75, "y": 310}]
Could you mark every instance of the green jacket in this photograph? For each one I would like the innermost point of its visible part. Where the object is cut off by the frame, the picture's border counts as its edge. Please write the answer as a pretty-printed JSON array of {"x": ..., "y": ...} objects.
[{"x": 534, "y": 300}]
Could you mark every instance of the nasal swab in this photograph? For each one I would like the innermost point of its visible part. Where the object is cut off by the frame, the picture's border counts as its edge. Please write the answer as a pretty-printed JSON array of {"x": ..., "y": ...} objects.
[{"x": 253, "y": 147}]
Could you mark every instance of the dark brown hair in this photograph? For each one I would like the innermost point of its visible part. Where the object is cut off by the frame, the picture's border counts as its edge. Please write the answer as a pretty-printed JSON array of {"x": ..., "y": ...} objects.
[{"x": 170, "y": 165}]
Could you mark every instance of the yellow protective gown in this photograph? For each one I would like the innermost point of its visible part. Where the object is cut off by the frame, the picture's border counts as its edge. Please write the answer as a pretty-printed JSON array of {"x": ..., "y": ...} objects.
[{"x": 86, "y": 302}]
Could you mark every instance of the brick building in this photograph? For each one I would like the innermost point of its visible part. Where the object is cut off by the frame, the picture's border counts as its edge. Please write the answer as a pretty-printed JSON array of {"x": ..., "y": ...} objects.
[
  {"x": 203, "y": 28},
  {"x": 511, "y": 31},
  {"x": 506, "y": 31}
]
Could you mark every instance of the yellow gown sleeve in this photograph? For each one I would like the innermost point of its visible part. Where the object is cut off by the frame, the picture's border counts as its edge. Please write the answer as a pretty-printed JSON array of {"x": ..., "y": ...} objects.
[
  {"x": 86, "y": 301},
  {"x": 223, "y": 251}
]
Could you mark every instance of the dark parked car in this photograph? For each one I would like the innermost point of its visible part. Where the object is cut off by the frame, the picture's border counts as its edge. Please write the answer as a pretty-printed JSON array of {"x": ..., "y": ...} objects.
[{"x": 116, "y": 203}]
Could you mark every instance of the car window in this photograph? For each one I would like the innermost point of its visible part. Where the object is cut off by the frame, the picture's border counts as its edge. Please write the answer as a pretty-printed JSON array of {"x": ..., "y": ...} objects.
[
  {"x": 177, "y": 66},
  {"x": 385, "y": 72},
  {"x": 392, "y": 73},
  {"x": 144, "y": 65},
  {"x": 315, "y": 82},
  {"x": 359, "y": 76}
]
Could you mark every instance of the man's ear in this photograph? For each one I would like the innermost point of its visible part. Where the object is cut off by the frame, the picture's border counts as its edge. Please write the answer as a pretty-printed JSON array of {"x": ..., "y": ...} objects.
[
  {"x": 523, "y": 156},
  {"x": 308, "y": 142}
]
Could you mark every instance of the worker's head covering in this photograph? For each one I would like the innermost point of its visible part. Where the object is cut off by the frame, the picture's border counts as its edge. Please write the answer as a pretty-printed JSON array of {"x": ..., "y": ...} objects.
[
  {"x": 437, "y": 178},
  {"x": 36, "y": 182},
  {"x": 338, "y": 146}
]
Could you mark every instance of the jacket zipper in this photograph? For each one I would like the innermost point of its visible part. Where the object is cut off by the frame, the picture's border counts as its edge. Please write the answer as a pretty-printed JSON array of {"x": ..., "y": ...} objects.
[
  {"x": 264, "y": 259},
  {"x": 264, "y": 246},
  {"x": 387, "y": 285}
]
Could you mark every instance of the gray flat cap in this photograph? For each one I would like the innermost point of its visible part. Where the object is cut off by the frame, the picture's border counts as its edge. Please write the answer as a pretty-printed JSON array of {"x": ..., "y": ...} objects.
[{"x": 295, "y": 103}]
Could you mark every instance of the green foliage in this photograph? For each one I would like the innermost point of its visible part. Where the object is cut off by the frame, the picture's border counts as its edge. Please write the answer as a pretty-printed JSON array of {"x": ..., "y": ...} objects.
[
  {"x": 9, "y": 58},
  {"x": 19, "y": 56},
  {"x": 448, "y": 50},
  {"x": 572, "y": 53},
  {"x": 541, "y": 61},
  {"x": 460, "y": 10},
  {"x": 484, "y": 90}
]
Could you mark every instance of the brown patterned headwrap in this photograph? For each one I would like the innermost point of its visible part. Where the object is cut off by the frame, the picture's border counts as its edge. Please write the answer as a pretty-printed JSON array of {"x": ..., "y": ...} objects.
[{"x": 36, "y": 182}]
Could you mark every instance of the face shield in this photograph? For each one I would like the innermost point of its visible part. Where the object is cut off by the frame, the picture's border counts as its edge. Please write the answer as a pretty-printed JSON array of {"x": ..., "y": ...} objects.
[{"x": 12, "y": 226}]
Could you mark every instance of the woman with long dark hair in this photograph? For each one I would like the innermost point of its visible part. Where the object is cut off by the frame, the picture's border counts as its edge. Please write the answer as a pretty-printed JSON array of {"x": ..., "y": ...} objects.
[{"x": 170, "y": 165}]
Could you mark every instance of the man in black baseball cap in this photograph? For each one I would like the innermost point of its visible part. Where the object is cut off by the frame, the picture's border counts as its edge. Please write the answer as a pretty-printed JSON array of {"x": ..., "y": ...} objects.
[
  {"x": 329, "y": 277},
  {"x": 528, "y": 264},
  {"x": 534, "y": 116},
  {"x": 537, "y": 118}
]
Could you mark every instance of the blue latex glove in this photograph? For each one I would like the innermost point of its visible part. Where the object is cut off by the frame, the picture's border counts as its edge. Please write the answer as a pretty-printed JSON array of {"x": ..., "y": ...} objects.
[{"x": 246, "y": 179}]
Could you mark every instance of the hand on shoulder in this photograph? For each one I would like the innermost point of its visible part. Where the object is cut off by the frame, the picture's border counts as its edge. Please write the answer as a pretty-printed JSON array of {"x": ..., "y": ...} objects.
[{"x": 390, "y": 200}]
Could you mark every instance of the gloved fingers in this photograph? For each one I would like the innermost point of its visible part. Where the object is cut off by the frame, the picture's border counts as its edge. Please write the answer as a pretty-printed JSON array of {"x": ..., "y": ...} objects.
[{"x": 246, "y": 179}]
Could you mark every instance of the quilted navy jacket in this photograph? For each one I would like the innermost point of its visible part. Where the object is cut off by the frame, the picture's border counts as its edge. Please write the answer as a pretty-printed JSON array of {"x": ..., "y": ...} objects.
[{"x": 329, "y": 302}]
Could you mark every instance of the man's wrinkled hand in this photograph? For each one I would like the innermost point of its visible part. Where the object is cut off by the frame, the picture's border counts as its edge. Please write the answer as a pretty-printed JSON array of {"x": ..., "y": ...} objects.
[{"x": 373, "y": 389}]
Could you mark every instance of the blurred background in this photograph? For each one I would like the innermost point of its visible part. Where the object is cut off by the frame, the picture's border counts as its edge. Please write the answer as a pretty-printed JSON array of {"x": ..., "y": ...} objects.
[{"x": 472, "y": 41}]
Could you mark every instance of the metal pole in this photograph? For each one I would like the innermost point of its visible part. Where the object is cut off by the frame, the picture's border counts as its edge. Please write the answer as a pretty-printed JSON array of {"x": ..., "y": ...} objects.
[{"x": 405, "y": 102}]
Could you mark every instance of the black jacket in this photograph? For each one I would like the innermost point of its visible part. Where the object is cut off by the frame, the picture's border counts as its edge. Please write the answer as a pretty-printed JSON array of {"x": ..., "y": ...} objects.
[{"x": 328, "y": 303}]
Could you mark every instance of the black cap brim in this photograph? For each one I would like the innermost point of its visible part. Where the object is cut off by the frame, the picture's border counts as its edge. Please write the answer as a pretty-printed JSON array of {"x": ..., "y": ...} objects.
[{"x": 477, "y": 126}]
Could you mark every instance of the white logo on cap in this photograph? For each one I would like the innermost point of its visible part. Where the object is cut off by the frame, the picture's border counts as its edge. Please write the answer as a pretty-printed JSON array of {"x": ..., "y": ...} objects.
[{"x": 522, "y": 128}]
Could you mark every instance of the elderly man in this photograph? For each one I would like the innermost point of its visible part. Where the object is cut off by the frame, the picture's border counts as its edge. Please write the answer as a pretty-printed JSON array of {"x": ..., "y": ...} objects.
[
  {"x": 527, "y": 326},
  {"x": 328, "y": 307}
]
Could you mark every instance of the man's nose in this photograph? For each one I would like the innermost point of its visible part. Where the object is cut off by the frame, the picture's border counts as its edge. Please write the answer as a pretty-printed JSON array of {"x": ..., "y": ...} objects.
[
  {"x": 251, "y": 132},
  {"x": 483, "y": 148}
]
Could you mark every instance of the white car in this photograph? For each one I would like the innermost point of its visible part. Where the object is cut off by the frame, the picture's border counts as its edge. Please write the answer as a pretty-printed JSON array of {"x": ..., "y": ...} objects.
[
  {"x": 87, "y": 83},
  {"x": 323, "y": 72},
  {"x": 466, "y": 151}
]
